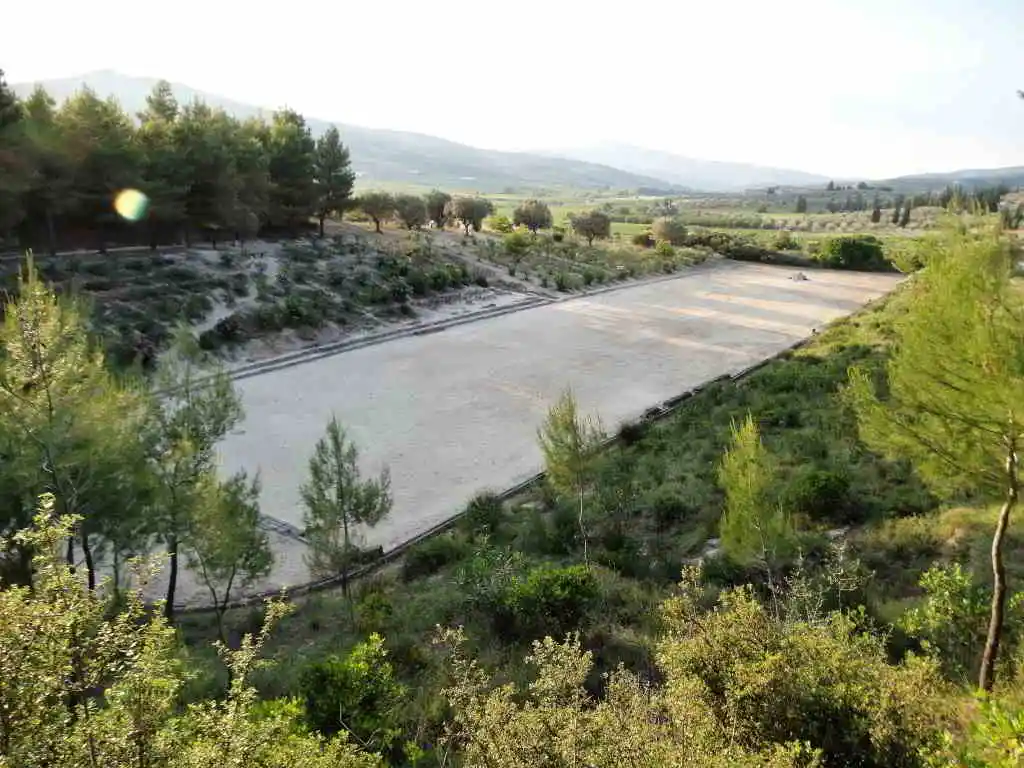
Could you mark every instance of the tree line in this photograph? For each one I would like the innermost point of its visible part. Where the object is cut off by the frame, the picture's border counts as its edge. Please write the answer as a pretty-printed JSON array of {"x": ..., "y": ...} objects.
[{"x": 204, "y": 172}]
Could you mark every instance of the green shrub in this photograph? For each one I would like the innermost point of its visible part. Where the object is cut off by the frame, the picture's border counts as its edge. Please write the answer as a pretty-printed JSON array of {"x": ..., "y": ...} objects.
[
  {"x": 483, "y": 514},
  {"x": 549, "y": 600},
  {"x": 670, "y": 504},
  {"x": 229, "y": 329},
  {"x": 952, "y": 620},
  {"x": 770, "y": 681},
  {"x": 864, "y": 252},
  {"x": 358, "y": 694},
  {"x": 819, "y": 494},
  {"x": 784, "y": 241},
  {"x": 558, "y": 234},
  {"x": 500, "y": 223},
  {"x": 632, "y": 432},
  {"x": 643, "y": 239},
  {"x": 439, "y": 278},
  {"x": 432, "y": 555},
  {"x": 564, "y": 527},
  {"x": 670, "y": 230},
  {"x": 665, "y": 250},
  {"x": 562, "y": 281},
  {"x": 486, "y": 575}
]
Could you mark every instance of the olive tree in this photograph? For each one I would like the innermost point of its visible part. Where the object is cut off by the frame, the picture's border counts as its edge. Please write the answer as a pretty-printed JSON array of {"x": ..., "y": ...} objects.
[
  {"x": 593, "y": 225},
  {"x": 411, "y": 211},
  {"x": 437, "y": 206},
  {"x": 532, "y": 214},
  {"x": 379, "y": 206},
  {"x": 470, "y": 212}
]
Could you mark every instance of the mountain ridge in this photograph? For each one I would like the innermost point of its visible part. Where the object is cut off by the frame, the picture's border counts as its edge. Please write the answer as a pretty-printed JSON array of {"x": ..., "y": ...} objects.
[{"x": 712, "y": 175}]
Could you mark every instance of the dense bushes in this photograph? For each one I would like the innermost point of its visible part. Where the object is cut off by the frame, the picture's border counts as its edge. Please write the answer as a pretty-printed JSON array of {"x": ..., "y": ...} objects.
[
  {"x": 819, "y": 494},
  {"x": 548, "y": 600},
  {"x": 357, "y": 694},
  {"x": 862, "y": 252},
  {"x": 482, "y": 515},
  {"x": 824, "y": 682},
  {"x": 432, "y": 555}
]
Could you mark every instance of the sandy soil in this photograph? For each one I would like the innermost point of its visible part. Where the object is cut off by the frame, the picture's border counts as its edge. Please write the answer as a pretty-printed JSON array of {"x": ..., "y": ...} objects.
[{"x": 456, "y": 412}]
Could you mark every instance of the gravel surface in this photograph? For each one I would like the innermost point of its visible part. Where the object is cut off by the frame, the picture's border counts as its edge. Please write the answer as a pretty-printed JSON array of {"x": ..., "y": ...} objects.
[{"x": 456, "y": 412}]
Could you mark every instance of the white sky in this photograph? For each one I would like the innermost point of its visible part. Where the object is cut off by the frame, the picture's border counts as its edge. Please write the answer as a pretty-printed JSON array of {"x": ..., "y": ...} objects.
[{"x": 842, "y": 87}]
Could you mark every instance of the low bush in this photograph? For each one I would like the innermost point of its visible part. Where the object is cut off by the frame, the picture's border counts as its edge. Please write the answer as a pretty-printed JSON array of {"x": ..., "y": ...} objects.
[
  {"x": 665, "y": 250},
  {"x": 499, "y": 223},
  {"x": 432, "y": 555},
  {"x": 671, "y": 504},
  {"x": 669, "y": 230},
  {"x": 549, "y": 600},
  {"x": 357, "y": 694},
  {"x": 784, "y": 241},
  {"x": 862, "y": 252},
  {"x": 483, "y": 514},
  {"x": 820, "y": 494}
]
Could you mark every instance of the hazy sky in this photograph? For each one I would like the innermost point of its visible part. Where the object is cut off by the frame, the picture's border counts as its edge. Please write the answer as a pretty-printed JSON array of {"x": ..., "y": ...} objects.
[{"x": 841, "y": 87}]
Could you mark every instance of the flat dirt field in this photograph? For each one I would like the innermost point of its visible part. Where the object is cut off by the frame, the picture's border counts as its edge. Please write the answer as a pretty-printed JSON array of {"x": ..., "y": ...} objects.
[{"x": 456, "y": 412}]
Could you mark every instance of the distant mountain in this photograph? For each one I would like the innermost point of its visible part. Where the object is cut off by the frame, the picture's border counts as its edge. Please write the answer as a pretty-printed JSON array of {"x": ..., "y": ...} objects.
[
  {"x": 976, "y": 177},
  {"x": 389, "y": 156},
  {"x": 705, "y": 175}
]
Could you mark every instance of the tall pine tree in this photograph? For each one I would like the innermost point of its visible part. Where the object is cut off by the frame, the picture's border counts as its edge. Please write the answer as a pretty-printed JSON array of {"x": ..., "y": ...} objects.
[{"x": 334, "y": 176}]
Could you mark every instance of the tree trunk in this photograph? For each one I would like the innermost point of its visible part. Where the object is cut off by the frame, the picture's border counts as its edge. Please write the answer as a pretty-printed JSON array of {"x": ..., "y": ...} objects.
[
  {"x": 583, "y": 530},
  {"x": 347, "y": 544},
  {"x": 172, "y": 579},
  {"x": 51, "y": 231},
  {"x": 376, "y": 223},
  {"x": 986, "y": 678},
  {"x": 90, "y": 566},
  {"x": 321, "y": 227}
]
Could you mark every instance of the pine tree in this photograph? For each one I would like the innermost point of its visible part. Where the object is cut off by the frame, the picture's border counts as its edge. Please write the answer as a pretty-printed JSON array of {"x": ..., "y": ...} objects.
[
  {"x": 226, "y": 545},
  {"x": 198, "y": 406},
  {"x": 334, "y": 176},
  {"x": 79, "y": 429},
  {"x": 569, "y": 443},
  {"x": 754, "y": 527},
  {"x": 293, "y": 159},
  {"x": 338, "y": 502},
  {"x": 954, "y": 384},
  {"x": 14, "y": 171},
  {"x": 164, "y": 177}
]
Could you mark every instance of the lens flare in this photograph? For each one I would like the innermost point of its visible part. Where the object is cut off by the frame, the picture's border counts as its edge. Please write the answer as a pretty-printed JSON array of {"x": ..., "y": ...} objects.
[{"x": 131, "y": 204}]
